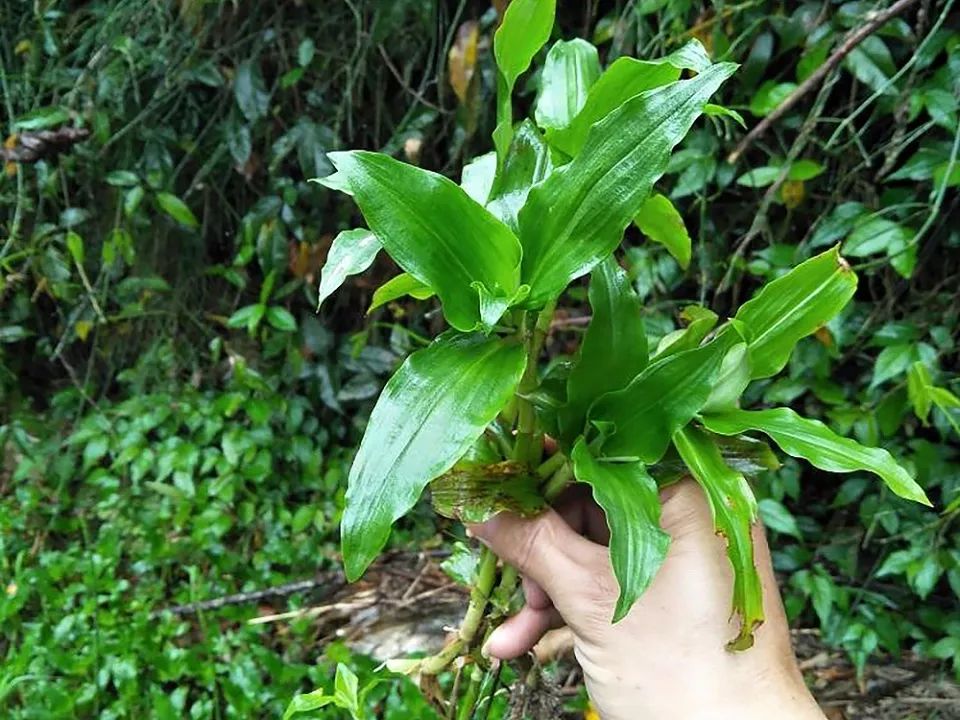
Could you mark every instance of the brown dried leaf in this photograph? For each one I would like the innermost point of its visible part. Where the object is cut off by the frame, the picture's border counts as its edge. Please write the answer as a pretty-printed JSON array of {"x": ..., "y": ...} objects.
[{"x": 462, "y": 60}]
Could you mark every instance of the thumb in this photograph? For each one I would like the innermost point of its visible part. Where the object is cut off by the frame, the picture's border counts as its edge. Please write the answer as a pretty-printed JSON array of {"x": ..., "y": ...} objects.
[{"x": 544, "y": 548}]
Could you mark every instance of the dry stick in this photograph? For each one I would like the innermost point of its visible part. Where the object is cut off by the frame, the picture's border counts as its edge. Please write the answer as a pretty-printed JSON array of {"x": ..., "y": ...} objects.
[{"x": 849, "y": 43}]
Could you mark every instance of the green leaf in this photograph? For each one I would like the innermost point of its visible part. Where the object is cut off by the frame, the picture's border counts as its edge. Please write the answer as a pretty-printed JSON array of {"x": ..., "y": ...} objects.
[
  {"x": 577, "y": 216},
  {"x": 792, "y": 307},
  {"x": 527, "y": 163},
  {"x": 760, "y": 177},
  {"x": 734, "y": 511},
  {"x": 249, "y": 317},
  {"x": 132, "y": 199},
  {"x": 476, "y": 493},
  {"x": 876, "y": 235},
  {"x": 75, "y": 247},
  {"x": 714, "y": 110},
  {"x": 397, "y": 287},
  {"x": 461, "y": 566},
  {"x": 250, "y": 91},
  {"x": 631, "y": 503},
  {"x": 431, "y": 411},
  {"x": 770, "y": 95},
  {"x": 805, "y": 170},
  {"x": 660, "y": 221},
  {"x": 819, "y": 445},
  {"x": 307, "y": 703},
  {"x": 661, "y": 400},
  {"x": 352, "y": 252},
  {"x": 700, "y": 321},
  {"x": 571, "y": 68},
  {"x": 281, "y": 319},
  {"x": 872, "y": 64},
  {"x": 122, "y": 178},
  {"x": 42, "y": 119},
  {"x": 614, "y": 348},
  {"x": 346, "y": 689},
  {"x": 746, "y": 455},
  {"x": 478, "y": 176},
  {"x": 525, "y": 29},
  {"x": 776, "y": 517},
  {"x": 177, "y": 209},
  {"x": 435, "y": 232},
  {"x": 892, "y": 362},
  {"x": 624, "y": 79},
  {"x": 732, "y": 380}
]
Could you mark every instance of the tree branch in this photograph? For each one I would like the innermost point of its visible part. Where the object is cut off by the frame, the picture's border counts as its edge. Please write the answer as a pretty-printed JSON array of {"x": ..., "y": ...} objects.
[{"x": 846, "y": 47}]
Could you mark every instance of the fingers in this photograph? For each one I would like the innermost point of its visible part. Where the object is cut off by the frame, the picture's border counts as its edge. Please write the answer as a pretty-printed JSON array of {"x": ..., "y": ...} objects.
[
  {"x": 545, "y": 548},
  {"x": 517, "y": 635}
]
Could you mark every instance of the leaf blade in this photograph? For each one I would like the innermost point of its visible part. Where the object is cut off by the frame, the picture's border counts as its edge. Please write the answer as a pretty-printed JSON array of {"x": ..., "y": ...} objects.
[
  {"x": 661, "y": 400},
  {"x": 631, "y": 504},
  {"x": 434, "y": 231},
  {"x": 570, "y": 70},
  {"x": 614, "y": 348},
  {"x": 819, "y": 445},
  {"x": 351, "y": 253},
  {"x": 430, "y": 412},
  {"x": 577, "y": 216},
  {"x": 734, "y": 511},
  {"x": 660, "y": 221},
  {"x": 792, "y": 307}
]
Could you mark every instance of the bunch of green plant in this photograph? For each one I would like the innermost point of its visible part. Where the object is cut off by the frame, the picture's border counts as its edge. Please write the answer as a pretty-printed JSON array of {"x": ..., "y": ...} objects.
[{"x": 467, "y": 415}]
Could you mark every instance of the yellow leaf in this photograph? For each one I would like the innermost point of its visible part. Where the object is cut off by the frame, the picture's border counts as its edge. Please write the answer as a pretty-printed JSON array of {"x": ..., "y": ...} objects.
[
  {"x": 83, "y": 328},
  {"x": 11, "y": 589},
  {"x": 824, "y": 336},
  {"x": 590, "y": 713},
  {"x": 792, "y": 193},
  {"x": 22, "y": 47},
  {"x": 11, "y": 142},
  {"x": 10, "y": 169},
  {"x": 462, "y": 59}
]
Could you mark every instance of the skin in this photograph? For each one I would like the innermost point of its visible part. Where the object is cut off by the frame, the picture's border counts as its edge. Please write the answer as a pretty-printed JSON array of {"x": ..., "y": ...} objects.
[{"x": 667, "y": 659}]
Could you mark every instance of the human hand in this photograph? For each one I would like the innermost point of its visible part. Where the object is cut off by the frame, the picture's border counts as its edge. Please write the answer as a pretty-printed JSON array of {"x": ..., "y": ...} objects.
[{"x": 667, "y": 659}]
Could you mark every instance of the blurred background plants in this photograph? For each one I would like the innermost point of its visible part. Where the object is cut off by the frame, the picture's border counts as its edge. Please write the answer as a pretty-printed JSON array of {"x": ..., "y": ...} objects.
[{"x": 176, "y": 418}]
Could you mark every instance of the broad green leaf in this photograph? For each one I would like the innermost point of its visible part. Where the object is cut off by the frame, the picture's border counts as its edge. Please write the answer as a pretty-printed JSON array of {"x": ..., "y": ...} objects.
[
  {"x": 631, "y": 503},
  {"x": 624, "y": 79},
  {"x": 435, "y": 232},
  {"x": 478, "y": 176},
  {"x": 307, "y": 703},
  {"x": 721, "y": 111},
  {"x": 614, "y": 348},
  {"x": 760, "y": 177},
  {"x": 122, "y": 178},
  {"x": 475, "y": 494},
  {"x": 352, "y": 252},
  {"x": 250, "y": 91},
  {"x": 734, "y": 511},
  {"x": 525, "y": 29},
  {"x": 335, "y": 181},
  {"x": 746, "y": 455},
  {"x": 769, "y": 96},
  {"x": 397, "y": 287},
  {"x": 249, "y": 317},
  {"x": 661, "y": 400},
  {"x": 42, "y": 119},
  {"x": 792, "y": 307},
  {"x": 660, "y": 221},
  {"x": 461, "y": 566},
  {"x": 819, "y": 445},
  {"x": 281, "y": 319},
  {"x": 346, "y": 689},
  {"x": 805, "y": 170},
  {"x": 430, "y": 413},
  {"x": 876, "y": 235},
  {"x": 872, "y": 64},
  {"x": 700, "y": 321},
  {"x": 892, "y": 362},
  {"x": 732, "y": 380},
  {"x": 527, "y": 163},
  {"x": 776, "y": 517},
  {"x": 577, "y": 216},
  {"x": 75, "y": 247},
  {"x": 177, "y": 209},
  {"x": 571, "y": 68}
]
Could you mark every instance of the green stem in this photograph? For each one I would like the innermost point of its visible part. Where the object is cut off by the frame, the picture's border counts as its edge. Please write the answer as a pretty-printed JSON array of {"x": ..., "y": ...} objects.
[
  {"x": 551, "y": 465},
  {"x": 558, "y": 482},
  {"x": 528, "y": 447},
  {"x": 479, "y": 596},
  {"x": 470, "y": 697}
]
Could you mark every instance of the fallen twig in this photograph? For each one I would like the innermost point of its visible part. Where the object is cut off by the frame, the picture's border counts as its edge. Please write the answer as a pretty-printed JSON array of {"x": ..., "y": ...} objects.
[
  {"x": 31, "y": 147},
  {"x": 849, "y": 43}
]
